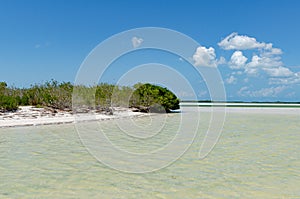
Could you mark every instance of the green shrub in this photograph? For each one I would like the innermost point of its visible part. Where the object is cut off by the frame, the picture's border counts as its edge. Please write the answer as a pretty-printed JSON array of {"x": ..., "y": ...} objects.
[
  {"x": 152, "y": 98},
  {"x": 8, "y": 103}
]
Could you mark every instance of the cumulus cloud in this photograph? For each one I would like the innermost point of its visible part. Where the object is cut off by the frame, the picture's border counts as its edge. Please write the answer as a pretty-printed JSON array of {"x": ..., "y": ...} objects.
[
  {"x": 251, "y": 71},
  {"x": 237, "y": 60},
  {"x": 231, "y": 80},
  {"x": 271, "y": 51},
  {"x": 205, "y": 57},
  {"x": 263, "y": 61},
  {"x": 278, "y": 72},
  {"x": 266, "y": 60},
  {"x": 136, "y": 42},
  {"x": 221, "y": 61},
  {"x": 241, "y": 42},
  {"x": 268, "y": 56},
  {"x": 270, "y": 63}
]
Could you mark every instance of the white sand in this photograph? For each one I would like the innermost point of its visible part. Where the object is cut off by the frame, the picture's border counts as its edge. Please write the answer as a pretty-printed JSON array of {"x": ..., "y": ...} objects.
[{"x": 30, "y": 116}]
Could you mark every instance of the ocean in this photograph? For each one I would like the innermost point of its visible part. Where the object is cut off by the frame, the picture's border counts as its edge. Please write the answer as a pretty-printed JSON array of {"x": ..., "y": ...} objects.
[{"x": 257, "y": 156}]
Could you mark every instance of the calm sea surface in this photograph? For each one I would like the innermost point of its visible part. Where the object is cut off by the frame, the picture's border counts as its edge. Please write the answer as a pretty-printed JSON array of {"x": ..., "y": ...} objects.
[{"x": 257, "y": 156}]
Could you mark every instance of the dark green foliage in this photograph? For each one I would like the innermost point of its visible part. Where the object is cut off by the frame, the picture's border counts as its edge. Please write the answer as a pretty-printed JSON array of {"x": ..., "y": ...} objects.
[
  {"x": 152, "y": 98},
  {"x": 8, "y": 103}
]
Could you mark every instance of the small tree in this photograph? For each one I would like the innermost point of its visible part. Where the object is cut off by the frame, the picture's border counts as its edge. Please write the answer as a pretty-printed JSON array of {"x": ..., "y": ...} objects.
[{"x": 152, "y": 98}]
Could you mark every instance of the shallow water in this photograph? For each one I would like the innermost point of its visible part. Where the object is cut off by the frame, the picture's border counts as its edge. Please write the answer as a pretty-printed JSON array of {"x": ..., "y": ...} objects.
[{"x": 257, "y": 156}]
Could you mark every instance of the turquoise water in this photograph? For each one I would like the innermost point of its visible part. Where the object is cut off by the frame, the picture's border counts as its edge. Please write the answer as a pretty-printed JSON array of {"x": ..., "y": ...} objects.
[{"x": 257, "y": 156}]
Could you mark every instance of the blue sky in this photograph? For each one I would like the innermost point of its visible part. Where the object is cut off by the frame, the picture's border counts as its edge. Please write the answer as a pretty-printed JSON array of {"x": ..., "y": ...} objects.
[{"x": 254, "y": 43}]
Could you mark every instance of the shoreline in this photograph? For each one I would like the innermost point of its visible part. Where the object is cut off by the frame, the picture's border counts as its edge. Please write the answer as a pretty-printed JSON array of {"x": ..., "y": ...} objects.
[{"x": 31, "y": 116}]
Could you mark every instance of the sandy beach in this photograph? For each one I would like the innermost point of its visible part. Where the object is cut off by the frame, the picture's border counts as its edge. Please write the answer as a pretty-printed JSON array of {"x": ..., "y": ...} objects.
[{"x": 31, "y": 116}]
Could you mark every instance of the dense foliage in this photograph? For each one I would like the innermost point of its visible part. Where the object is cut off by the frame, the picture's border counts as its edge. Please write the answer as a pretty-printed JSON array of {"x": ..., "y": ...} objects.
[
  {"x": 55, "y": 95},
  {"x": 7, "y": 101}
]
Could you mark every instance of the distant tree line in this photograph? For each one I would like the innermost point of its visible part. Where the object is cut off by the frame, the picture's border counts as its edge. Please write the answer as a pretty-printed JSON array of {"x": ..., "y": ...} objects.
[{"x": 56, "y": 95}]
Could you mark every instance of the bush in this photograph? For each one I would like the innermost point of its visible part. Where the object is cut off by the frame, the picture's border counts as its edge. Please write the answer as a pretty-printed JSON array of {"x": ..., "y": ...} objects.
[
  {"x": 152, "y": 98},
  {"x": 8, "y": 103}
]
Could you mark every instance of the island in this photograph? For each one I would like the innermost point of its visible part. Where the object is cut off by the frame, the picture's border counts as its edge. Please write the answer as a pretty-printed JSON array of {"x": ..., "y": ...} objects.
[{"x": 56, "y": 102}]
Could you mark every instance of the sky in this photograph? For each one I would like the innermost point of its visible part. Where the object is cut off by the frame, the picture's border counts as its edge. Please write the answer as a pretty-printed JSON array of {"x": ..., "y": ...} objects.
[{"x": 254, "y": 44}]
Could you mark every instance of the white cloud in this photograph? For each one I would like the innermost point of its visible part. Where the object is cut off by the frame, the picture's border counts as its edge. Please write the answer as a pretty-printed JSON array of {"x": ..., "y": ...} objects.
[
  {"x": 237, "y": 73},
  {"x": 264, "y": 92},
  {"x": 267, "y": 60},
  {"x": 294, "y": 79},
  {"x": 136, "y": 42},
  {"x": 251, "y": 71},
  {"x": 271, "y": 51},
  {"x": 231, "y": 80},
  {"x": 278, "y": 72},
  {"x": 241, "y": 42},
  {"x": 264, "y": 61},
  {"x": 221, "y": 61},
  {"x": 243, "y": 90},
  {"x": 270, "y": 63},
  {"x": 205, "y": 57},
  {"x": 237, "y": 60}
]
